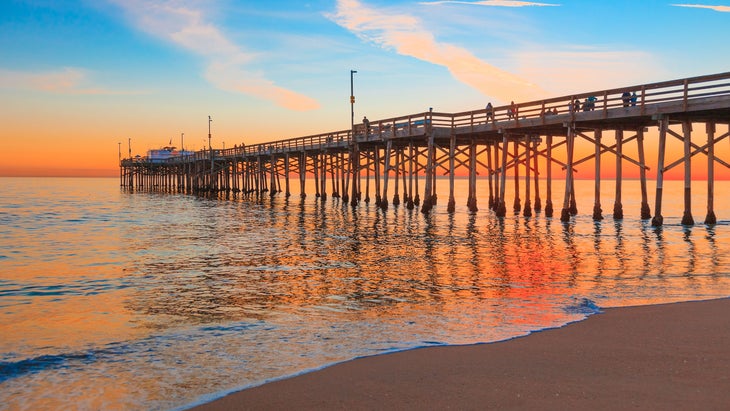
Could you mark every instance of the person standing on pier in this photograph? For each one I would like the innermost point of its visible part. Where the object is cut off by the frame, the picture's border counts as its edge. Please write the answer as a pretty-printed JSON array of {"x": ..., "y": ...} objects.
[
  {"x": 626, "y": 98},
  {"x": 366, "y": 123},
  {"x": 490, "y": 111},
  {"x": 512, "y": 111}
]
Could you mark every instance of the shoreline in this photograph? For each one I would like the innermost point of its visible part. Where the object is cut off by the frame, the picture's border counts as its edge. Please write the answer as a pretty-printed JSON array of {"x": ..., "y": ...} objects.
[{"x": 666, "y": 356}]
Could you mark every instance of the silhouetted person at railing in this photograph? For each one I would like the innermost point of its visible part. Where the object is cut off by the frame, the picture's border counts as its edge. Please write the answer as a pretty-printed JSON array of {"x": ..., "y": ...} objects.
[
  {"x": 626, "y": 98},
  {"x": 366, "y": 123},
  {"x": 512, "y": 110},
  {"x": 490, "y": 111},
  {"x": 633, "y": 99}
]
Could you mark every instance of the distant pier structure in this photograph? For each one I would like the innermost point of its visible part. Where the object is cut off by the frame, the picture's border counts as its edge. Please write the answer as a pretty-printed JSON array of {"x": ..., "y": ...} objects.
[{"x": 405, "y": 154}]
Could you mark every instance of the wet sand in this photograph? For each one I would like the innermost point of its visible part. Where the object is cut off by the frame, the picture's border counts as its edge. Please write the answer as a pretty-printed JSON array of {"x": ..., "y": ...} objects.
[{"x": 660, "y": 357}]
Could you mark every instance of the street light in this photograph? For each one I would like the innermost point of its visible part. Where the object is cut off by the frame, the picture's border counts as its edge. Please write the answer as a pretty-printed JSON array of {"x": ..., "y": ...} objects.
[
  {"x": 120, "y": 152},
  {"x": 352, "y": 103},
  {"x": 182, "y": 142},
  {"x": 209, "y": 121}
]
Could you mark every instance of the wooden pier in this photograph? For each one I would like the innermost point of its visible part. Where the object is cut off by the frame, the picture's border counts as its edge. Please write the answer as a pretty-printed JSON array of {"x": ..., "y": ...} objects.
[{"x": 403, "y": 153}]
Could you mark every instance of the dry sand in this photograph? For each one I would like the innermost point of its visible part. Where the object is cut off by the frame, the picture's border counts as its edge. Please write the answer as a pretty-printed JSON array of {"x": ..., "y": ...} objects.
[{"x": 661, "y": 357}]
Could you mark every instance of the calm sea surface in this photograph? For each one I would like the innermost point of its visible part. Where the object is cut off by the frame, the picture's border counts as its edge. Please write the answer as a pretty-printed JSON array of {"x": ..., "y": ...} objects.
[{"x": 118, "y": 300}]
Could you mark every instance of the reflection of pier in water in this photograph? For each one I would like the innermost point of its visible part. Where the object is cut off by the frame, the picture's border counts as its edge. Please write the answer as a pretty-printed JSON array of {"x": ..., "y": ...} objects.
[
  {"x": 405, "y": 150},
  {"x": 445, "y": 260}
]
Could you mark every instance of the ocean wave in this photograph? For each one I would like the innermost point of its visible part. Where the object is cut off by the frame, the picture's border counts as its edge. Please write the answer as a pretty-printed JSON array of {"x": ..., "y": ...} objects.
[{"x": 584, "y": 306}]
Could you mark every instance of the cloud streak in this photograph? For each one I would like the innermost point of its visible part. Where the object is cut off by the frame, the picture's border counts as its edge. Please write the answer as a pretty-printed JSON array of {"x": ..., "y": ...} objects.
[
  {"x": 492, "y": 3},
  {"x": 184, "y": 24},
  {"x": 724, "y": 9},
  {"x": 405, "y": 35},
  {"x": 69, "y": 80}
]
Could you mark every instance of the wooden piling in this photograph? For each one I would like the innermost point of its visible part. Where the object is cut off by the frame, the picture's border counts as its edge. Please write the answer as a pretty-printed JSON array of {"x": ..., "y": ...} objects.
[
  {"x": 658, "y": 219},
  {"x": 527, "y": 211},
  {"x": 516, "y": 153},
  {"x": 687, "y": 131},
  {"x": 535, "y": 145},
  {"x": 502, "y": 207},
  {"x": 549, "y": 177},
  {"x": 597, "y": 215},
  {"x": 645, "y": 210},
  {"x": 451, "y": 207},
  {"x": 386, "y": 173},
  {"x": 710, "y": 218},
  {"x": 565, "y": 213},
  {"x": 618, "y": 211}
]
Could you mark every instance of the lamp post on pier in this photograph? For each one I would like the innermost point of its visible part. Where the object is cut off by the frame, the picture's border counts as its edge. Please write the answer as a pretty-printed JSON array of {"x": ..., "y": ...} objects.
[
  {"x": 209, "y": 121},
  {"x": 182, "y": 142},
  {"x": 352, "y": 103}
]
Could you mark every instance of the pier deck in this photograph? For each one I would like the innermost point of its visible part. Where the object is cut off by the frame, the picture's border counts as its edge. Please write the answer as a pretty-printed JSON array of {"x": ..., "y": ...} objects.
[{"x": 419, "y": 146}]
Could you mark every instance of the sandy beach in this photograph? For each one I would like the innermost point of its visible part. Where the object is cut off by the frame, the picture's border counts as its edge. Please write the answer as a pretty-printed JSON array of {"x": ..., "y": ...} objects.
[{"x": 660, "y": 357}]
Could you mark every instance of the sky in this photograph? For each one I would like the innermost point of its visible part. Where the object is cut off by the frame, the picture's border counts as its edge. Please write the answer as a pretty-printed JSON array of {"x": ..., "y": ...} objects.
[{"x": 82, "y": 80}]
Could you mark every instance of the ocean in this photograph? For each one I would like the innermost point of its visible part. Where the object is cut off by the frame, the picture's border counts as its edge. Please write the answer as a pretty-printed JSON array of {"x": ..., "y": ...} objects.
[{"x": 111, "y": 299}]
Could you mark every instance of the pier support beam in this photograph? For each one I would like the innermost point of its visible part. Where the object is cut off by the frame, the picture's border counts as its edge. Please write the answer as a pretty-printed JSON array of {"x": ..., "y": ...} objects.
[
  {"x": 597, "y": 215},
  {"x": 710, "y": 218},
  {"x": 687, "y": 131},
  {"x": 472, "y": 200},
  {"x": 565, "y": 212},
  {"x": 502, "y": 206},
  {"x": 490, "y": 175},
  {"x": 645, "y": 211},
  {"x": 549, "y": 177},
  {"x": 428, "y": 194},
  {"x": 527, "y": 211},
  {"x": 535, "y": 144},
  {"x": 451, "y": 207},
  {"x": 409, "y": 203},
  {"x": 355, "y": 171},
  {"x": 658, "y": 219},
  {"x": 302, "y": 174},
  {"x": 618, "y": 210},
  {"x": 516, "y": 205},
  {"x": 386, "y": 173}
]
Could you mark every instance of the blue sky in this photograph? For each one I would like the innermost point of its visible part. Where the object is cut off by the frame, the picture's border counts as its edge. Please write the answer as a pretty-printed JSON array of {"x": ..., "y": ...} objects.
[{"x": 104, "y": 70}]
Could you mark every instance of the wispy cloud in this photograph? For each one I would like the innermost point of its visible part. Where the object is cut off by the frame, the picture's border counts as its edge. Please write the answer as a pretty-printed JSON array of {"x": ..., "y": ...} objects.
[
  {"x": 69, "y": 80},
  {"x": 494, "y": 3},
  {"x": 405, "y": 35},
  {"x": 725, "y": 9},
  {"x": 571, "y": 68},
  {"x": 184, "y": 24}
]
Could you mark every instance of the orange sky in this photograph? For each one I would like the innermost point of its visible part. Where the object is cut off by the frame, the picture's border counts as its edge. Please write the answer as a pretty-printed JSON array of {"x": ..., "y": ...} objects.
[{"x": 78, "y": 78}]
